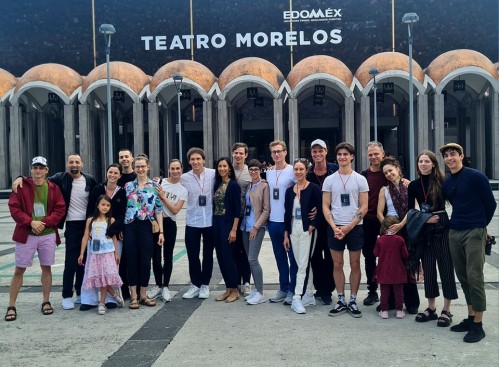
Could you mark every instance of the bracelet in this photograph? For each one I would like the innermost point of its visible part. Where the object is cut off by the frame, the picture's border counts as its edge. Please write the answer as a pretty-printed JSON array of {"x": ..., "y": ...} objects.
[{"x": 161, "y": 232}]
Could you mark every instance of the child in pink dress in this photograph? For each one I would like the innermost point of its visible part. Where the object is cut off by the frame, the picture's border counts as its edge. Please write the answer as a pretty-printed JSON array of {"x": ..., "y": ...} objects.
[
  {"x": 102, "y": 260},
  {"x": 390, "y": 272}
]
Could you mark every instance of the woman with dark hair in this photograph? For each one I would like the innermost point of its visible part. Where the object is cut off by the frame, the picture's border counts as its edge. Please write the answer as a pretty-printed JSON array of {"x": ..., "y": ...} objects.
[
  {"x": 173, "y": 194},
  {"x": 300, "y": 233},
  {"x": 256, "y": 214},
  {"x": 434, "y": 238},
  {"x": 110, "y": 188},
  {"x": 144, "y": 206},
  {"x": 226, "y": 211},
  {"x": 393, "y": 201}
]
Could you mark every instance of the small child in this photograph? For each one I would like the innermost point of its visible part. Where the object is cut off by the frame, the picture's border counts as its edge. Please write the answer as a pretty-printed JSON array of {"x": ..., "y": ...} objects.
[
  {"x": 103, "y": 259},
  {"x": 391, "y": 272}
]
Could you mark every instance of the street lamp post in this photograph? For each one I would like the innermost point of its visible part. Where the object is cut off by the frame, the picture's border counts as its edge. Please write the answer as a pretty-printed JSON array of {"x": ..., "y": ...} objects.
[
  {"x": 108, "y": 30},
  {"x": 177, "y": 79},
  {"x": 373, "y": 72},
  {"x": 410, "y": 19}
]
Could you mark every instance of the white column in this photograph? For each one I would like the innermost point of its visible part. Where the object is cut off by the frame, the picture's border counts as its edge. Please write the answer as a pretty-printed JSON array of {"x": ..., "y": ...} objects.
[
  {"x": 294, "y": 130},
  {"x": 87, "y": 143},
  {"x": 495, "y": 135},
  {"x": 5, "y": 178},
  {"x": 138, "y": 128},
  {"x": 278, "y": 123},
  {"x": 223, "y": 148},
  {"x": 421, "y": 128},
  {"x": 69, "y": 130},
  {"x": 362, "y": 132},
  {"x": 438, "y": 126},
  {"x": 208, "y": 132},
  {"x": 348, "y": 127},
  {"x": 16, "y": 147},
  {"x": 153, "y": 125}
]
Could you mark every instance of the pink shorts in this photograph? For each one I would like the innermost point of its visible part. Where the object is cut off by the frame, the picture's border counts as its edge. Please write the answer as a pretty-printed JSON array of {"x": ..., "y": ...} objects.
[{"x": 45, "y": 245}]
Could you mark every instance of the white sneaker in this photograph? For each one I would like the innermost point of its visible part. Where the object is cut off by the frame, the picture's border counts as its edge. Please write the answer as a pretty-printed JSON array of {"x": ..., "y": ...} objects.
[
  {"x": 78, "y": 300},
  {"x": 297, "y": 306},
  {"x": 278, "y": 297},
  {"x": 192, "y": 292},
  {"x": 67, "y": 303},
  {"x": 251, "y": 294},
  {"x": 166, "y": 295},
  {"x": 154, "y": 292},
  {"x": 308, "y": 299},
  {"x": 119, "y": 298},
  {"x": 246, "y": 289},
  {"x": 256, "y": 299},
  {"x": 101, "y": 310},
  {"x": 204, "y": 292}
]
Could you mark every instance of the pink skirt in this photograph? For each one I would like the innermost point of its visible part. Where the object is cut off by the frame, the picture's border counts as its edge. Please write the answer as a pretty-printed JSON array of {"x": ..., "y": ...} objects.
[{"x": 101, "y": 270}]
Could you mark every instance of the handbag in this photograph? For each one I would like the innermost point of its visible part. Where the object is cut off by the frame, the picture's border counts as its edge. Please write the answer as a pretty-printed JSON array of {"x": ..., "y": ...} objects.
[{"x": 154, "y": 225}]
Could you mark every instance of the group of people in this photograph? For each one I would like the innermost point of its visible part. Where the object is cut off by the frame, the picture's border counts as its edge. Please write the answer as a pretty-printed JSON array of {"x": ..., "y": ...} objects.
[{"x": 311, "y": 210}]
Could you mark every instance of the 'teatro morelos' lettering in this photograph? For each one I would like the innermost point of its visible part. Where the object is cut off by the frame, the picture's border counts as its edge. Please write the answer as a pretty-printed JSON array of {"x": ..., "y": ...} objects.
[{"x": 259, "y": 39}]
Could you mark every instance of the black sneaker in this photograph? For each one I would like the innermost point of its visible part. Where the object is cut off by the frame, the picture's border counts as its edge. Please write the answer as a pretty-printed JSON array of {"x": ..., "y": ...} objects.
[
  {"x": 464, "y": 325},
  {"x": 371, "y": 299},
  {"x": 354, "y": 310},
  {"x": 338, "y": 309},
  {"x": 475, "y": 334},
  {"x": 326, "y": 299}
]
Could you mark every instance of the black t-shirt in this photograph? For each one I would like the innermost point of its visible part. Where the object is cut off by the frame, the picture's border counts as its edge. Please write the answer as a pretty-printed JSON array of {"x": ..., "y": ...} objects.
[{"x": 126, "y": 177}]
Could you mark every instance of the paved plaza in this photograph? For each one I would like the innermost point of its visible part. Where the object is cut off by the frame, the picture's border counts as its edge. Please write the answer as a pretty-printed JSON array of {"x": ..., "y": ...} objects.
[{"x": 208, "y": 333}]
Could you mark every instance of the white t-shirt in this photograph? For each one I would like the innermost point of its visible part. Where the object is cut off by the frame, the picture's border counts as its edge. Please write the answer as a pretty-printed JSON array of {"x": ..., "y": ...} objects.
[
  {"x": 351, "y": 185},
  {"x": 173, "y": 192},
  {"x": 79, "y": 200},
  {"x": 281, "y": 179}
]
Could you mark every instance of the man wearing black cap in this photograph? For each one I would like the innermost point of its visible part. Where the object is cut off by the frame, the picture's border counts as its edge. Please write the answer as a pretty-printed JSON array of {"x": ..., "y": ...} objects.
[
  {"x": 322, "y": 262},
  {"x": 473, "y": 206}
]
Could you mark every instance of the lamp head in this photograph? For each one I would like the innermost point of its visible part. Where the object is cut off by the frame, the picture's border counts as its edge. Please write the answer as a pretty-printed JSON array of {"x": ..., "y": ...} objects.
[
  {"x": 410, "y": 18},
  {"x": 373, "y": 71},
  {"x": 178, "y": 78},
  {"x": 107, "y": 29}
]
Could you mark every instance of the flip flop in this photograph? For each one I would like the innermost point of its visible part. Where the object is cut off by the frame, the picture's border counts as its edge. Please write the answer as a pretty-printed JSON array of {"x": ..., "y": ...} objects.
[
  {"x": 11, "y": 316},
  {"x": 47, "y": 311}
]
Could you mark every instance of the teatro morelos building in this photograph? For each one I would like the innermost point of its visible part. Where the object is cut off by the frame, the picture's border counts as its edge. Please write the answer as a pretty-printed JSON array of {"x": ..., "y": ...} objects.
[{"x": 53, "y": 110}]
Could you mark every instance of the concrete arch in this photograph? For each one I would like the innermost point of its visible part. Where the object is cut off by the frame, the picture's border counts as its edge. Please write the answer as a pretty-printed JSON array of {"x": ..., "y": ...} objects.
[
  {"x": 468, "y": 70},
  {"x": 195, "y": 75},
  {"x": 57, "y": 78},
  {"x": 7, "y": 84},
  {"x": 451, "y": 61},
  {"x": 250, "y": 70},
  {"x": 126, "y": 76}
]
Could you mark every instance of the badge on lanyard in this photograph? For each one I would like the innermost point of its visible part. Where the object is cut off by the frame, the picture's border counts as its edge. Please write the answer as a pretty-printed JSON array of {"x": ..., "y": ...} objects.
[
  {"x": 95, "y": 245},
  {"x": 276, "y": 193},
  {"x": 247, "y": 211},
  {"x": 39, "y": 210},
  {"x": 202, "y": 200},
  {"x": 345, "y": 199},
  {"x": 425, "y": 208},
  {"x": 298, "y": 213}
]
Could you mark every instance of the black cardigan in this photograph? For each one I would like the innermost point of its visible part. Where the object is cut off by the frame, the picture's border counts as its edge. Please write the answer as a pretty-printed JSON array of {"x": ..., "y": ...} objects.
[
  {"x": 232, "y": 201},
  {"x": 310, "y": 198},
  {"x": 118, "y": 207}
]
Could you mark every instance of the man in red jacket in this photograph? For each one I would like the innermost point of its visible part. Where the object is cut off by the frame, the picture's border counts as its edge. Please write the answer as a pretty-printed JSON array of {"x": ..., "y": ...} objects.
[{"x": 37, "y": 208}]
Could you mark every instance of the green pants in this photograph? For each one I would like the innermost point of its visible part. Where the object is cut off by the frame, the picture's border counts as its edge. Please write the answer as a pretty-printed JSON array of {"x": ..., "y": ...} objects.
[{"x": 468, "y": 255}]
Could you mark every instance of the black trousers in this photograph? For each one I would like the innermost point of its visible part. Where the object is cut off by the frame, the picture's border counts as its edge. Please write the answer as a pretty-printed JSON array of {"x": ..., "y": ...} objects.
[
  {"x": 371, "y": 232},
  {"x": 241, "y": 258},
  {"x": 200, "y": 274},
  {"x": 162, "y": 274},
  {"x": 322, "y": 263},
  {"x": 73, "y": 235},
  {"x": 138, "y": 242}
]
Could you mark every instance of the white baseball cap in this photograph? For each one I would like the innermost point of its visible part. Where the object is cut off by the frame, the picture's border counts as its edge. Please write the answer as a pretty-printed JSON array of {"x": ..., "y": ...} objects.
[
  {"x": 318, "y": 142},
  {"x": 41, "y": 161}
]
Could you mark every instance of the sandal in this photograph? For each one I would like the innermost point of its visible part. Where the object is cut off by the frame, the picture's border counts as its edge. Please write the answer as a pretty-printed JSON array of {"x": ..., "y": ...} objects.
[
  {"x": 426, "y": 315},
  {"x": 148, "y": 302},
  {"x": 47, "y": 311},
  {"x": 445, "y": 319},
  {"x": 11, "y": 316},
  {"x": 134, "y": 304}
]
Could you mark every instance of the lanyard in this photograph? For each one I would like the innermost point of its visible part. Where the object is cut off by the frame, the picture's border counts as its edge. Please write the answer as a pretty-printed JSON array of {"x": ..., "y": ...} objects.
[
  {"x": 425, "y": 194},
  {"x": 277, "y": 175},
  {"x": 195, "y": 178},
  {"x": 345, "y": 183}
]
